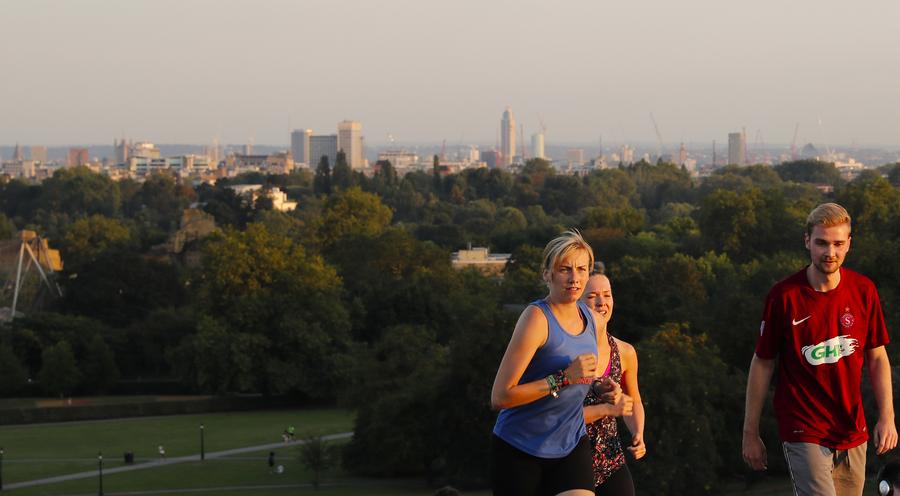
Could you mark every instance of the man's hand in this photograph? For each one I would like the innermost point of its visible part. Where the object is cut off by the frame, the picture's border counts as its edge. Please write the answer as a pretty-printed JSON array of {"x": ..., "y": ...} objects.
[
  {"x": 754, "y": 451},
  {"x": 885, "y": 436}
]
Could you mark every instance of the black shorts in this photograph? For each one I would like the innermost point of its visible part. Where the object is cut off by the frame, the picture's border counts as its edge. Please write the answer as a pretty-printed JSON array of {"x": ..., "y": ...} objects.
[{"x": 516, "y": 473}]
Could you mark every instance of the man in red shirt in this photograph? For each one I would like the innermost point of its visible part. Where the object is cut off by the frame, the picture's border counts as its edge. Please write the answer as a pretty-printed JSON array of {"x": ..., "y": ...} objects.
[{"x": 822, "y": 323}]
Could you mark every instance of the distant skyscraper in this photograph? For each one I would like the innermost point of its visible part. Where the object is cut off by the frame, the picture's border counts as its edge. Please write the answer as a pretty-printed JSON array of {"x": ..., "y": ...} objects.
[
  {"x": 627, "y": 154},
  {"x": 737, "y": 149},
  {"x": 18, "y": 156},
  {"x": 77, "y": 156},
  {"x": 319, "y": 146},
  {"x": 682, "y": 155},
  {"x": 350, "y": 141},
  {"x": 121, "y": 148},
  {"x": 39, "y": 154},
  {"x": 471, "y": 154},
  {"x": 507, "y": 138},
  {"x": 300, "y": 146},
  {"x": 537, "y": 145}
]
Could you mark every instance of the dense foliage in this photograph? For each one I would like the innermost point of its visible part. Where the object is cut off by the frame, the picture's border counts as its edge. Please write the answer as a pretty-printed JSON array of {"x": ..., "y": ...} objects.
[{"x": 352, "y": 297}]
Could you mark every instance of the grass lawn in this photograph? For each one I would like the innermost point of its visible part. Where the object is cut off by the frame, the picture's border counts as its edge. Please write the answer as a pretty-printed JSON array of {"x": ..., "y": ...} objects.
[{"x": 44, "y": 450}]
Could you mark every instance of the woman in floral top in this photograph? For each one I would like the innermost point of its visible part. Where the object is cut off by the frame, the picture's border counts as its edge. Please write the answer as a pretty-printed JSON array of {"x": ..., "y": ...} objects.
[{"x": 617, "y": 364}]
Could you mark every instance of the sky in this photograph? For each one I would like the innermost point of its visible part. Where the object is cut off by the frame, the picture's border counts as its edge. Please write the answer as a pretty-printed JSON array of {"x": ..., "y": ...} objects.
[{"x": 423, "y": 71}]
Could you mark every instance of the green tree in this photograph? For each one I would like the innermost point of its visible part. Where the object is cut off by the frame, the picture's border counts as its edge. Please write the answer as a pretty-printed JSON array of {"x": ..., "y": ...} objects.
[
  {"x": 322, "y": 179},
  {"x": 697, "y": 407},
  {"x": 389, "y": 399},
  {"x": 59, "y": 375},
  {"x": 79, "y": 191},
  {"x": 873, "y": 203},
  {"x": 12, "y": 373},
  {"x": 162, "y": 199},
  {"x": 342, "y": 174},
  {"x": 87, "y": 239},
  {"x": 728, "y": 219},
  {"x": 275, "y": 322},
  {"x": 809, "y": 171},
  {"x": 98, "y": 366},
  {"x": 315, "y": 456},
  {"x": 7, "y": 227},
  {"x": 352, "y": 213}
]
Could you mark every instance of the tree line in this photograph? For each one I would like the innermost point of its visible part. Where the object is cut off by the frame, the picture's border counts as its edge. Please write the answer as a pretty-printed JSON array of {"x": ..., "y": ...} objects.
[{"x": 352, "y": 298}]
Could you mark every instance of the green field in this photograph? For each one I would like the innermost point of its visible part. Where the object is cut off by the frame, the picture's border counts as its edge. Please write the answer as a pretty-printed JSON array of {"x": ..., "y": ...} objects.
[{"x": 46, "y": 450}]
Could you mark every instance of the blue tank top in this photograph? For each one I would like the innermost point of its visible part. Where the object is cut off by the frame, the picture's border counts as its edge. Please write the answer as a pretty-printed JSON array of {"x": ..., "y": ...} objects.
[{"x": 551, "y": 427}]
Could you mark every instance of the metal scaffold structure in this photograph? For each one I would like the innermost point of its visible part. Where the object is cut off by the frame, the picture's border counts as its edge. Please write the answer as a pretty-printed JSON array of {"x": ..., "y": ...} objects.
[{"x": 29, "y": 268}]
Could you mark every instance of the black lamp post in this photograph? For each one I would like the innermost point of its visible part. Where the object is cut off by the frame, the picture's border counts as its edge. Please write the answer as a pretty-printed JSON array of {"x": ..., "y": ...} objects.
[
  {"x": 202, "y": 447},
  {"x": 100, "y": 464},
  {"x": 1, "y": 469}
]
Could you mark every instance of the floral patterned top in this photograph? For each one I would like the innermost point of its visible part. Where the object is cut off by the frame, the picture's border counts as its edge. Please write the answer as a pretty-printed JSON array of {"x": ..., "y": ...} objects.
[{"x": 603, "y": 433}]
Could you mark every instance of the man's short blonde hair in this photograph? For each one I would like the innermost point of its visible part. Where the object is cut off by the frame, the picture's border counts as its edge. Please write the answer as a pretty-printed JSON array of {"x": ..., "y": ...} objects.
[
  {"x": 827, "y": 215},
  {"x": 562, "y": 245}
]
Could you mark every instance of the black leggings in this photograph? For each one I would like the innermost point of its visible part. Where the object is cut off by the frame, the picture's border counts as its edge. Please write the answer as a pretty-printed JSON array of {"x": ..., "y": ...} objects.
[
  {"x": 618, "y": 484},
  {"x": 516, "y": 473}
]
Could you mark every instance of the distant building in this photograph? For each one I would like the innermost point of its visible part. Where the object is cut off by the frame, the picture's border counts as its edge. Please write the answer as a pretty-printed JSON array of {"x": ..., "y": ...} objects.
[
  {"x": 38, "y": 154},
  {"x": 19, "y": 168},
  {"x": 350, "y": 141},
  {"x": 737, "y": 149},
  {"x": 17, "y": 153},
  {"x": 300, "y": 146},
  {"x": 319, "y": 146},
  {"x": 145, "y": 149},
  {"x": 481, "y": 259},
  {"x": 121, "y": 151},
  {"x": 627, "y": 154},
  {"x": 507, "y": 138},
  {"x": 77, "y": 156},
  {"x": 471, "y": 154},
  {"x": 537, "y": 145},
  {"x": 399, "y": 159},
  {"x": 682, "y": 155},
  {"x": 809, "y": 151},
  {"x": 253, "y": 192},
  {"x": 492, "y": 158},
  {"x": 575, "y": 157}
]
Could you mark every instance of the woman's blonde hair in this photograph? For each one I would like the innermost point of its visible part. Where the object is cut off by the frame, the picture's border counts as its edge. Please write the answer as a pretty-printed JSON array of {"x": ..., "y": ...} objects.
[{"x": 561, "y": 246}]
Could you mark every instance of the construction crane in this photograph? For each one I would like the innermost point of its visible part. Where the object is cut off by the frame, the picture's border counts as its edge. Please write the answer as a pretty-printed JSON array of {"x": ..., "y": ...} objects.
[
  {"x": 828, "y": 149},
  {"x": 758, "y": 148},
  {"x": 794, "y": 142},
  {"x": 522, "y": 141},
  {"x": 659, "y": 139}
]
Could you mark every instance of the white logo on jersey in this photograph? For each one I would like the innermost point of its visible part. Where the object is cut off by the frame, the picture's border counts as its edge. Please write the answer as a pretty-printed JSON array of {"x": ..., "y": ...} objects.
[
  {"x": 798, "y": 322},
  {"x": 762, "y": 327},
  {"x": 830, "y": 351}
]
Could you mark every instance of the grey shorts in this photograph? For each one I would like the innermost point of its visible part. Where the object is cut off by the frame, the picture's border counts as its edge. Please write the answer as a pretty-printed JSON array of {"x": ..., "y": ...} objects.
[{"x": 821, "y": 471}]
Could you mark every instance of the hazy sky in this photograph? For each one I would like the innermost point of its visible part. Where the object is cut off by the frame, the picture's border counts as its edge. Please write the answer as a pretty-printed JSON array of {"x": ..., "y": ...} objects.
[{"x": 182, "y": 71}]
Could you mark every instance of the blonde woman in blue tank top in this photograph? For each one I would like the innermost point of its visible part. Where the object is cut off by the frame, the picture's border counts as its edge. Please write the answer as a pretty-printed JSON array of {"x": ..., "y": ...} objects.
[{"x": 540, "y": 444}]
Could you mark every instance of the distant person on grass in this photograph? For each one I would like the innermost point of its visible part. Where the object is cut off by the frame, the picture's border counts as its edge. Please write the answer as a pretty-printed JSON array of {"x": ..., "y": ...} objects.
[
  {"x": 611, "y": 474},
  {"x": 822, "y": 323},
  {"x": 540, "y": 444}
]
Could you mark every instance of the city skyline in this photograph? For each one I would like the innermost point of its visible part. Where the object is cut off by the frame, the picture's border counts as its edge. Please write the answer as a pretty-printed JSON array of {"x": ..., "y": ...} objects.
[{"x": 82, "y": 73}]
